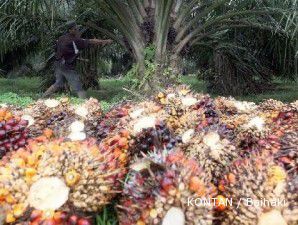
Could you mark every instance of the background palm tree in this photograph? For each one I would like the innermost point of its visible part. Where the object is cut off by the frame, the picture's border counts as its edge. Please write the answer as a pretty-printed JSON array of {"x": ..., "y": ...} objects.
[{"x": 174, "y": 29}]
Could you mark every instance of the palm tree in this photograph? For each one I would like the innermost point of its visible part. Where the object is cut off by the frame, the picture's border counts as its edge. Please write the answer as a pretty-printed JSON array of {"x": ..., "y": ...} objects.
[
  {"x": 177, "y": 25},
  {"x": 30, "y": 27},
  {"x": 172, "y": 27}
]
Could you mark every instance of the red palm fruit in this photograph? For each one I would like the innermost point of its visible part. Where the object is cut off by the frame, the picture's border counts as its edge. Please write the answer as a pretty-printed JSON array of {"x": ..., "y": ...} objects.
[
  {"x": 11, "y": 122},
  {"x": 48, "y": 222},
  {"x": 124, "y": 133},
  {"x": 35, "y": 214},
  {"x": 24, "y": 123},
  {"x": 84, "y": 221},
  {"x": 122, "y": 142},
  {"x": 73, "y": 220},
  {"x": 35, "y": 222},
  {"x": 17, "y": 128},
  {"x": 60, "y": 217},
  {"x": 21, "y": 142},
  {"x": 167, "y": 184},
  {"x": 2, "y": 134},
  {"x": 195, "y": 183},
  {"x": 7, "y": 127},
  {"x": 8, "y": 146}
]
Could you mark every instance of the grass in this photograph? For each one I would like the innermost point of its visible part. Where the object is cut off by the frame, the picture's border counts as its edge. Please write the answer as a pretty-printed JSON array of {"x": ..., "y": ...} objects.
[
  {"x": 285, "y": 91},
  {"x": 23, "y": 91},
  {"x": 107, "y": 217}
]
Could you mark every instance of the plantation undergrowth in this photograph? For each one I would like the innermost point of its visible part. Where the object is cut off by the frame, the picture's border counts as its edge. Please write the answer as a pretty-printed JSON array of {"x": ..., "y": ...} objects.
[{"x": 23, "y": 91}]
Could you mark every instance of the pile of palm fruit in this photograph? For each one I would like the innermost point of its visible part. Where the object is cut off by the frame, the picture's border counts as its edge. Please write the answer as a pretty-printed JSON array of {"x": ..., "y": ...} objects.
[{"x": 177, "y": 158}]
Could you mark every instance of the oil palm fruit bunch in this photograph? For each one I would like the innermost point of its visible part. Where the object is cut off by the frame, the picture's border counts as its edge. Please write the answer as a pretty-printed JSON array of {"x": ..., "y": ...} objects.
[
  {"x": 250, "y": 132},
  {"x": 118, "y": 144},
  {"x": 66, "y": 120},
  {"x": 294, "y": 105},
  {"x": 150, "y": 138},
  {"x": 212, "y": 150},
  {"x": 272, "y": 110},
  {"x": 291, "y": 212},
  {"x": 48, "y": 113},
  {"x": 55, "y": 218},
  {"x": 13, "y": 132},
  {"x": 158, "y": 188},
  {"x": 147, "y": 131},
  {"x": 288, "y": 152},
  {"x": 142, "y": 115},
  {"x": 210, "y": 114},
  {"x": 111, "y": 120},
  {"x": 286, "y": 119},
  {"x": 260, "y": 192},
  {"x": 231, "y": 106},
  {"x": 15, "y": 109},
  {"x": 180, "y": 107},
  {"x": 271, "y": 105},
  {"x": 59, "y": 175}
]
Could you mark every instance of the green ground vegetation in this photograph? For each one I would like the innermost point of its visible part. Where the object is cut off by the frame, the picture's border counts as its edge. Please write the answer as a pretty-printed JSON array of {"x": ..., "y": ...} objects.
[{"x": 23, "y": 91}]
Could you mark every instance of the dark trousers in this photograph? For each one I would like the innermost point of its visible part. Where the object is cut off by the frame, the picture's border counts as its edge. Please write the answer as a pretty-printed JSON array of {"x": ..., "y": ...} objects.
[{"x": 70, "y": 75}]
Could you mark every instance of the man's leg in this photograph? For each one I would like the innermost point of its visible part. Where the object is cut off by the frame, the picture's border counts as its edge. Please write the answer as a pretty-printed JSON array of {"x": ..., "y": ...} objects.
[
  {"x": 50, "y": 91},
  {"x": 73, "y": 78},
  {"x": 59, "y": 83}
]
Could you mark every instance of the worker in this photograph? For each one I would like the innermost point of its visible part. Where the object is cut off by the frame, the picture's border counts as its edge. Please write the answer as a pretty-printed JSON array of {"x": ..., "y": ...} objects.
[{"x": 67, "y": 51}]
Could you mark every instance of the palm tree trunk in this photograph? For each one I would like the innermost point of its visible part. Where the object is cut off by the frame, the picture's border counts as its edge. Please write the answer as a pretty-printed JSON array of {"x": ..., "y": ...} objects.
[{"x": 175, "y": 64}]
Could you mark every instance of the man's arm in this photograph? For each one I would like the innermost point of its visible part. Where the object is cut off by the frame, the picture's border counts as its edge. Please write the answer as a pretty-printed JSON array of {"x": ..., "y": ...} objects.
[{"x": 100, "y": 42}]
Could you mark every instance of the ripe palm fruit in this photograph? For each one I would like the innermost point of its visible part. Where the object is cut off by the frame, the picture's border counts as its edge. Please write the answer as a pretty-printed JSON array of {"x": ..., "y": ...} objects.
[
  {"x": 213, "y": 151},
  {"x": 50, "y": 113},
  {"x": 55, "y": 218},
  {"x": 158, "y": 136},
  {"x": 259, "y": 189},
  {"x": 61, "y": 175},
  {"x": 294, "y": 106},
  {"x": 288, "y": 152},
  {"x": 118, "y": 145},
  {"x": 181, "y": 109},
  {"x": 111, "y": 120},
  {"x": 291, "y": 212},
  {"x": 249, "y": 133},
  {"x": 158, "y": 188},
  {"x": 13, "y": 132},
  {"x": 230, "y": 106},
  {"x": 271, "y": 105},
  {"x": 208, "y": 111},
  {"x": 65, "y": 120}
]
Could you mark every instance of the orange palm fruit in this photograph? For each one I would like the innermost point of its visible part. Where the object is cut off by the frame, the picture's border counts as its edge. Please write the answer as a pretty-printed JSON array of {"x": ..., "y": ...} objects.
[
  {"x": 48, "y": 133},
  {"x": 10, "y": 218},
  {"x": 195, "y": 184},
  {"x": 18, "y": 210},
  {"x": 220, "y": 203},
  {"x": 232, "y": 178}
]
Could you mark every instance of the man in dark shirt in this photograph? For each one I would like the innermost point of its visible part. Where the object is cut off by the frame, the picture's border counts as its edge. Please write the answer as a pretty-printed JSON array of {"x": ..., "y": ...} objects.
[{"x": 67, "y": 50}]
